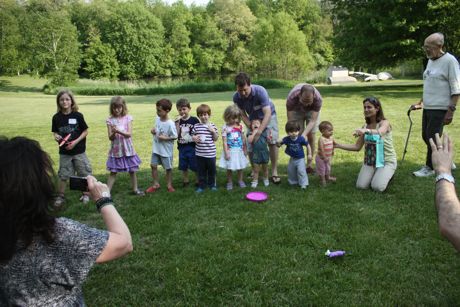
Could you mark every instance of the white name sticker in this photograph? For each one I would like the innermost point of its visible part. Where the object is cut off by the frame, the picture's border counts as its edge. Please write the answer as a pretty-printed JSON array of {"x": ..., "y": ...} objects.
[{"x": 72, "y": 121}]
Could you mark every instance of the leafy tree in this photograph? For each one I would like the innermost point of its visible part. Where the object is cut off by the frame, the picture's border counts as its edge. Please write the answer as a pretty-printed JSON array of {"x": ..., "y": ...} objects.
[
  {"x": 374, "y": 34},
  {"x": 314, "y": 22},
  {"x": 12, "y": 60},
  {"x": 100, "y": 59},
  {"x": 177, "y": 33},
  {"x": 88, "y": 16},
  {"x": 52, "y": 41},
  {"x": 236, "y": 20},
  {"x": 208, "y": 43},
  {"x": 137, "y": 37},
  {"x": 280, "y": 47}
]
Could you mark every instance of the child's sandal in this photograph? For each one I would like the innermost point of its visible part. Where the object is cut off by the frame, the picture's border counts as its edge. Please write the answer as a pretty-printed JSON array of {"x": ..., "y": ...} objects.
[
  {"x": 138, "y": 192},
  {"x": 152, "y": 189}
]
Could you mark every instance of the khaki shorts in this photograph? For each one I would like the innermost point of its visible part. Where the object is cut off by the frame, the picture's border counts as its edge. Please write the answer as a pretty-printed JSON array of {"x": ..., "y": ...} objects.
[
  {"x": 69, "y": 165},
  {"x": 273, "y": 129},
  {"x": 304, "y": 118}
]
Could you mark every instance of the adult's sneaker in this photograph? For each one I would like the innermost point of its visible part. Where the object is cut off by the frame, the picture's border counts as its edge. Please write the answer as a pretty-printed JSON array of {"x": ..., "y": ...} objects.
[{"x": 425, "y": 171}]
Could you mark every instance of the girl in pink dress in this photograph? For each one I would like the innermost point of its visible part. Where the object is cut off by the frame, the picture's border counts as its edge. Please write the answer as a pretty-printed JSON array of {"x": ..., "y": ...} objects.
[{"x": 122, "y": 156}]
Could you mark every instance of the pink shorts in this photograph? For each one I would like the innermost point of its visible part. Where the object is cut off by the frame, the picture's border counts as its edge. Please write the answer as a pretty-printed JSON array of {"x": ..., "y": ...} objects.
[{"x": 323, "y": 168}]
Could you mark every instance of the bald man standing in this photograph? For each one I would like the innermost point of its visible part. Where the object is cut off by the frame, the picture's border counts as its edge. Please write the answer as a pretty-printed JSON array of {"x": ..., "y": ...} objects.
[{"x": 441, "y": 88}]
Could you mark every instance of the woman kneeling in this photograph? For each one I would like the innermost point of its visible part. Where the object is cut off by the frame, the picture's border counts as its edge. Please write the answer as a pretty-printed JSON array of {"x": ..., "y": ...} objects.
[{"x": 379, "y": 157}]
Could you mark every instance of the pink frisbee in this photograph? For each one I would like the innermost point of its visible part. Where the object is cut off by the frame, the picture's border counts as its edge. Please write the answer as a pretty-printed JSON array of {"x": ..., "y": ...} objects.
[{"x": 257, "y": 196}]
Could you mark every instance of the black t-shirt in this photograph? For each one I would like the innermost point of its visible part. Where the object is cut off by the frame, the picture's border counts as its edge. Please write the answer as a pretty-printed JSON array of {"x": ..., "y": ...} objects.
[
  {"x": 72, "y": 123},
  {"x": 184, "y": 133}
]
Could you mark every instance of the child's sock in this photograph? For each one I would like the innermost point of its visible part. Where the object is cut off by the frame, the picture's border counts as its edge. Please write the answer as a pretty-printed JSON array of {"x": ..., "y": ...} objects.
[
  {"x": 229, "y": 186},
  {"x": 254, "y": 184},
  {"x": 242, "y": 184},
  {"x": 266, "y": 182}
]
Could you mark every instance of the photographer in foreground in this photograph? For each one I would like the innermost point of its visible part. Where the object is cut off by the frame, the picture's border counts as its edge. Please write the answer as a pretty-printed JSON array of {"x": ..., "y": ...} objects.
[
  {"x": 446, "y": 199},
  {"x": 45, "y": 260}
]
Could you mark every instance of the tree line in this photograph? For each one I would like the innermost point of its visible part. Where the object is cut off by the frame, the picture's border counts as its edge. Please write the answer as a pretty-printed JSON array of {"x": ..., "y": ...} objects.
[
  {"x": 114, "y": 39},
  {"x": 110, "y": 39},
  {"x": 382, "y": 33}
]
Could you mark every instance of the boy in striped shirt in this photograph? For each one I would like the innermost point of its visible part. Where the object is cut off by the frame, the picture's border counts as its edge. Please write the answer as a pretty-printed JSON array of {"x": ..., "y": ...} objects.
[{"x": 205, "y": 135}]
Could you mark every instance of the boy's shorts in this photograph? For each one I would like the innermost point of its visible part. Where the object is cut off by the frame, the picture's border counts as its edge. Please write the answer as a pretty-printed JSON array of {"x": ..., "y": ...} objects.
[
  {"x": 166, "y": 162},
  {"x": 187, "y": 159},
  {"x": 71, "y": 164}
]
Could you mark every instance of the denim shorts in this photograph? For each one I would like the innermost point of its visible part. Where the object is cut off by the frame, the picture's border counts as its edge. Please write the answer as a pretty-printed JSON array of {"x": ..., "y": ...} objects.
[
  {"x": 166, "y": 162},
  {"x": 187, "y": 158}
]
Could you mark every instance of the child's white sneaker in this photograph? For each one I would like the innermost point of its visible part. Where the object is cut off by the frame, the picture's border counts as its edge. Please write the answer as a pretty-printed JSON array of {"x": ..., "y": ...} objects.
[
  {"x": 266, "y": 182},
  {"x": 242, "y": 184},
  {"x": 84, "y": 199},
  {"x": 253, "y": 184},
  {"x": 229, "y": 186}
]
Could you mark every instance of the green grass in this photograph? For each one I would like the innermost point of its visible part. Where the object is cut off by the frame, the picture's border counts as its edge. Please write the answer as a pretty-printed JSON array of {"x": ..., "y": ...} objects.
[{"x": 218, "y": 249}]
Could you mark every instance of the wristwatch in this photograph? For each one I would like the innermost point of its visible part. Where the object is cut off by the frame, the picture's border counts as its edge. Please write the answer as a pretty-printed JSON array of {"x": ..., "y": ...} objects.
[
  {"x": 445, "y": 176},
  {"x": 452, "y": 107}
]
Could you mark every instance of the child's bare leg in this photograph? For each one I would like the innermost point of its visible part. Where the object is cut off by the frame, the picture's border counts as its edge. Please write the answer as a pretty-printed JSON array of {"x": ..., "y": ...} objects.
[
  {"x": 255, "y": 172},
  {"x": 229, "y": 180},
  {"x": 322, "y": 179},
  {"x": 265, "y": 171},
  {"x": 255, "y": 175},
  {"x": 328, "y": 173},
  {"x": 251, "y": 162},
  {"x": 133, "y": 181},
  {"x": 185, "y": 179},
  {"x": 111, "y": 180},
  {"x": 197, "y": 179},
  {"x": 61, "y": 187},
  {"x": 229, "y": 176},
  {"x": 241, "y": 182},
  {"x": 155, "y": 175},
  {"x": 169, "y": 178},
  {"x": 240, "y": 175}
]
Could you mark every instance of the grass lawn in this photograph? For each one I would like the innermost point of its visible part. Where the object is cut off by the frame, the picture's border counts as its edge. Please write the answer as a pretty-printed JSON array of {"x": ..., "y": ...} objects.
[{"x": 218, "y": 249}]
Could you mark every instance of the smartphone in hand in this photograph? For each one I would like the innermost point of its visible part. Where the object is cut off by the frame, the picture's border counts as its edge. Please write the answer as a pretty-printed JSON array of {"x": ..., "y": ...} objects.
[{"x": 78, "y": 183}]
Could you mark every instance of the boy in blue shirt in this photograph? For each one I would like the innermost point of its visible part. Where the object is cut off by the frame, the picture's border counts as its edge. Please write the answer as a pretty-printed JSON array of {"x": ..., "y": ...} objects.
[{"x": 297, "y": 173}]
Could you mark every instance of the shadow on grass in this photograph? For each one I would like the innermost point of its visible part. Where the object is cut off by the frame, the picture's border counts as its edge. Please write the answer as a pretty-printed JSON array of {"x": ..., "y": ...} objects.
[{"x": 6, "y": 86}]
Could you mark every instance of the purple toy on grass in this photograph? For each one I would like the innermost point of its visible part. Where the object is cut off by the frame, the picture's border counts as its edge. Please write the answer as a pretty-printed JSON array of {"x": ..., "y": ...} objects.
[{"x": 334, "y": 254}]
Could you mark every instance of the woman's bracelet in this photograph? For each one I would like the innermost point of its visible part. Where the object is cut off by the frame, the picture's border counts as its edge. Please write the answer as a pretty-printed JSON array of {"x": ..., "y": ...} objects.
[{"x": 102, "y": 202}]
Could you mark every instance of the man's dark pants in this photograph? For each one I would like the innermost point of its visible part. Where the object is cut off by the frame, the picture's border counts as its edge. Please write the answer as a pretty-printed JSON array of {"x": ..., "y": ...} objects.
[{"x": 432, "y": 123}]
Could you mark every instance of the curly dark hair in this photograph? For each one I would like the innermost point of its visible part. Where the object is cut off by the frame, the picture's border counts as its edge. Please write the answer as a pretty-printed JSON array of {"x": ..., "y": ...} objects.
[{"x": 26, "y": 191}]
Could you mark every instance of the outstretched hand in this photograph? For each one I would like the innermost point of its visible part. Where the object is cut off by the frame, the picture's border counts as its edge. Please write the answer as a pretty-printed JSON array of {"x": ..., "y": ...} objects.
[{"x": 442, "y": 153}]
